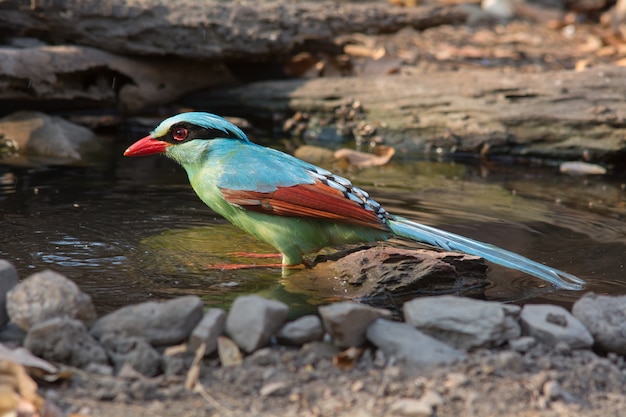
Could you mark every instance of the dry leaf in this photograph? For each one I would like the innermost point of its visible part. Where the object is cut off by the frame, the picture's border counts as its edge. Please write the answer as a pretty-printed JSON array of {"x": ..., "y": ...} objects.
[
  {"x": 175, "y": 350},
  {"x": 365, "y": 51},
  {"x": 347, "y": 359},
  {"x": 301, "y": 65},
  {"x": 362, "y": 159},
  {"x": 17, "y": 389},
  {"x": 229, "y": 352}
]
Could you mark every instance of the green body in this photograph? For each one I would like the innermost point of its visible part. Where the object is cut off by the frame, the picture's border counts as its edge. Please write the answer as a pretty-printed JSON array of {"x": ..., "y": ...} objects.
[{"x": 226, "y": 163}]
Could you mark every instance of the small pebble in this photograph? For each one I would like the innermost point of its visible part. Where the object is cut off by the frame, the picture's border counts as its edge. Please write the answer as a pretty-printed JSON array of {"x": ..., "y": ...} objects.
[
  {"x": 562, "y": 348},
  {"x": 523, "y": 344},
  {"x": 432, "y": 398},
  {"x": 551, "y": 390},
  {"x": 412, "y": 407},
  {"x": 456, "y": 380},
  {"x": 510, "y": 361}
]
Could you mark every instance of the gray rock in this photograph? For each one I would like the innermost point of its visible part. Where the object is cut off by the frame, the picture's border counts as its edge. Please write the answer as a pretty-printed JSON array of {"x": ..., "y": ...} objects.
[
  {"x": 39, "y": 134},
  {"x": 313, "y": 352},
  {"x": 302, "y": 330},
  {"x": 605, "y": 317},
  {"x": 8, "y": 280},
  {"x": 551, "y": 324},
  {"x": 347, "y": 321},
  {"x": 552, "y": 390},
  {"x": 174, "y": 364},
  {"x": 65, "y": 340},
  {"x": 160, "y": 323},
  {"x": 253, "y": 320},
  {"x": 45, "y": 295},
  {"x": 463, "y": 322},
  {"x": 12, "y": 335},
  {"x": 406, "y": 343},
  {"x": 207, "y": 331},
  {"x": 522, "y": 344},
  {"x": 133, "y": 351}
]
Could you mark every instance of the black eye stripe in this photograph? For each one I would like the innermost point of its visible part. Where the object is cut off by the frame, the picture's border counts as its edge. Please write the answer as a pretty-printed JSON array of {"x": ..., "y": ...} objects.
[{"x": 198, "y": 132}]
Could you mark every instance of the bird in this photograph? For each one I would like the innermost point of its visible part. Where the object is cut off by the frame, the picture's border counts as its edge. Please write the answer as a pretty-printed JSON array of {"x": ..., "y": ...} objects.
[{"x": 295, "y": 206}]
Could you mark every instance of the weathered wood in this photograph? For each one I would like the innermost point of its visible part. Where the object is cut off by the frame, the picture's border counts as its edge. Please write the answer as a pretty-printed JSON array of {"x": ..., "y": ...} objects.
[
  {"x": 209, "y": 29},
  {"x": 562, "y": 114}
]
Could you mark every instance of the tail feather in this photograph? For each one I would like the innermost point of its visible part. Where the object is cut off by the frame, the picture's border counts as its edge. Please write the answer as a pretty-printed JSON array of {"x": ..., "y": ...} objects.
[{"x": 449, "y": 241}]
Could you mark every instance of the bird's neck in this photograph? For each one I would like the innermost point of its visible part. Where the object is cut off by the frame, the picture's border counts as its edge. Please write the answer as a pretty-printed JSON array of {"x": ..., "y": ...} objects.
[{"x": 204, "y": 161}]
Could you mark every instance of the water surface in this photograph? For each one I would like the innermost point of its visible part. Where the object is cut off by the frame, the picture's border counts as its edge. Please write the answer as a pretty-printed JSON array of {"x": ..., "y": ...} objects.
[{"x": 134, "y": 230}]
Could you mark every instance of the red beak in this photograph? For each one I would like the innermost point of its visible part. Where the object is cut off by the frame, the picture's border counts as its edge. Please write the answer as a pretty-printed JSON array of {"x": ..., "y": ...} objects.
[{"x": 146, "y": 146}]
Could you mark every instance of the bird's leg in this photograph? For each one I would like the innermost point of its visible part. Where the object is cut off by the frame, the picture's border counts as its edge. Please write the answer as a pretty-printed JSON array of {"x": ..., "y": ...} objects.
[
  {"x": 230, "y": 267},
  {"x": 256, "y": 255}
]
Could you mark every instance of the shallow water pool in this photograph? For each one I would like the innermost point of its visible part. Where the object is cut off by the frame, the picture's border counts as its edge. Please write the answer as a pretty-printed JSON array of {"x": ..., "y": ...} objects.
[{"x": 133, "y": 230}]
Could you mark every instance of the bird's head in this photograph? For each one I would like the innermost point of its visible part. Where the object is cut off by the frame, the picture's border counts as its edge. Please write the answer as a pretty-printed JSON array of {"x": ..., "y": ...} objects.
[{"x": 184, "y": 128}]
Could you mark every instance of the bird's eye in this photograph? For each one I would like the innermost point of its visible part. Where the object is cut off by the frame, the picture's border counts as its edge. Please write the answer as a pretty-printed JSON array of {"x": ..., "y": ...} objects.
[{"x": 180, "y": 133}]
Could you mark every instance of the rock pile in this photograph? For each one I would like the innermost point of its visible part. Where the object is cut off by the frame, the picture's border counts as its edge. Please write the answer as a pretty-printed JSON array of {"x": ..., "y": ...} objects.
[
  {"x": 255, "y": 347},
  {"x": 58, "y": 323}
]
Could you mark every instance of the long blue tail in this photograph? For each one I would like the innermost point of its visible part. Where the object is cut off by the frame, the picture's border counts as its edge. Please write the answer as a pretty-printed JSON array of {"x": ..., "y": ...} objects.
[{"x": 449, "y": 241}]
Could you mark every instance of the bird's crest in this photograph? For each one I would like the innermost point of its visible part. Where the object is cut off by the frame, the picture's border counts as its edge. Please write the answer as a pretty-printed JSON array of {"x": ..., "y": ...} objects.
[{"x": 218, "y": 125}]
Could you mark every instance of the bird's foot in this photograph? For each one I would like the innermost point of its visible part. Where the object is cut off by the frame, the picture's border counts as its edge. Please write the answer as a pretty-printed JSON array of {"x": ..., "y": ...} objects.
[{"x": 234, "y": 267}]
